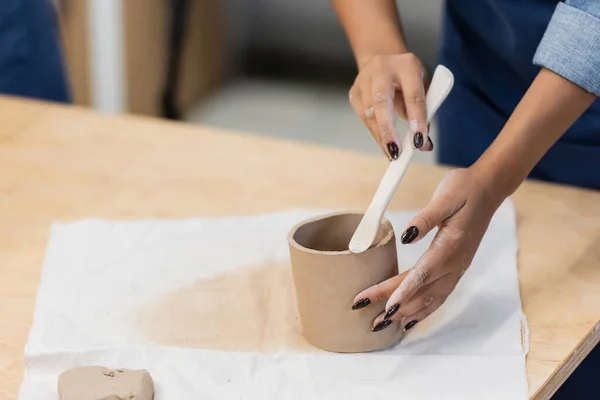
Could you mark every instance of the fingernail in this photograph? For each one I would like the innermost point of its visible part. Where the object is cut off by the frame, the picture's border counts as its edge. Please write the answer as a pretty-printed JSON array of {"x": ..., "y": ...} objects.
[
  {"x": 430, "y": 143},
  {"x": 361, "y": 304},
  {"x": 382, "y": 325},
  {"x": 410, "y": 325},
  {"x": 391, "y": 311},
  {"x": 409, "y": 235},
  {"x": 418, "y": 140},
  {"x": 393, "y": 150}
]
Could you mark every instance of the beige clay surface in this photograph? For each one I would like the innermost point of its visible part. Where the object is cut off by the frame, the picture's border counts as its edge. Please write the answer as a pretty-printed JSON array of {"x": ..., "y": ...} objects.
[
  {"x": 99, "y": 383},
  {"x": 327, "y": 276}
]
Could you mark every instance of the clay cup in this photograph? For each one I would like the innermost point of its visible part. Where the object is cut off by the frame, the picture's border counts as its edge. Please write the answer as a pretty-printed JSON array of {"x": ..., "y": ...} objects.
[{"x": 327, "y": 277}]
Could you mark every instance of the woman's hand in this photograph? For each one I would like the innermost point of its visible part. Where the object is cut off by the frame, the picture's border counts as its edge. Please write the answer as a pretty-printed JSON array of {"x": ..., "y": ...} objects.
[
  {"x": 388, "y": 85},
  {"x": 461, "y": 207}
]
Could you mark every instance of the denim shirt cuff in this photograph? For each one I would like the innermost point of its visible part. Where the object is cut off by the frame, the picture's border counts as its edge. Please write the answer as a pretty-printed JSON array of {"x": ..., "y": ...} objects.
[{"x": 571, "y": 47}]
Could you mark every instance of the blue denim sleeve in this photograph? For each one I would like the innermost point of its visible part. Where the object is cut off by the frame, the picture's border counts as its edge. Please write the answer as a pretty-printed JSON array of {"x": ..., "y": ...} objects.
[{"x": 571, "y": 45}]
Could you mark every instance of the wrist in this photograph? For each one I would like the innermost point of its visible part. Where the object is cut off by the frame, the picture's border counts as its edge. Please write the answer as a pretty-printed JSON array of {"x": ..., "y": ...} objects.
[
  {"x": 363, "y": 58},
  {"x": 496, "y": 185},
  {"x": 507, "y": 162}
]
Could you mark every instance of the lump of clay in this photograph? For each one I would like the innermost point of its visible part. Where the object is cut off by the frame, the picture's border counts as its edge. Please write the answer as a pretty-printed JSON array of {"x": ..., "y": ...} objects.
[{"x": 99, "y": 383}]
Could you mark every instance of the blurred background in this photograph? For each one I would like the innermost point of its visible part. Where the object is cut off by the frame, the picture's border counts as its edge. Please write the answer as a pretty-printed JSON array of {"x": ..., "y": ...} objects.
[{"x": 281, "y": 68}]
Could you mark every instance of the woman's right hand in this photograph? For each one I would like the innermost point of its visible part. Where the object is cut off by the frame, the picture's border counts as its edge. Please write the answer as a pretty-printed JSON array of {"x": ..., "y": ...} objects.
[{"x": 388, "y": 85}]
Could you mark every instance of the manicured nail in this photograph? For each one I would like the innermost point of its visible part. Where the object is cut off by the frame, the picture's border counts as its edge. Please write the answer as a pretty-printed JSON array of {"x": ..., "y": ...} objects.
[
  {"x": 393, "y": 150},
  {"x": 410, "y": 325},
  {"x": 409, "y": 235},
  {"x": 361, "y": 304},
  {"x": 430, "y": 143},
  {"x": 391, "y": 311},
  {"x": 382, "y": 325},
  {"x": 418, "y": 140}
]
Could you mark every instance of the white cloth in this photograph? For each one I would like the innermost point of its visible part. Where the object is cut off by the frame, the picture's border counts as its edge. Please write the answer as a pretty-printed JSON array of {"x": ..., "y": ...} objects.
[{"x": 132, "y": 295}]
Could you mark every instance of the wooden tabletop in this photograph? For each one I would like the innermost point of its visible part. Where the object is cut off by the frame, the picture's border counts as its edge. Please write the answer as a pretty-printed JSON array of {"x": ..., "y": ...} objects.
[{"x": 61, "y": 163}]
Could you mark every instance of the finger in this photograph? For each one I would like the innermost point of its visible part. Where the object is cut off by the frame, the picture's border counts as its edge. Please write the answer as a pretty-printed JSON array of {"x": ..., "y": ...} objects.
[
  {"x": 413, "y": 93},
  {"x": 377, "y": 293},
  {"x": 380, "y": 323},
  {"x": 367, "y": 114},
  {"x": 435, "y": 291},
  {"x": 412, "y": 320},
  {"x": 374, "y": 126},
  {"x": 371, "y": 120},
  {"x": 442, "y": 205},
  {"x": 401, "y": 112},
  {"x": 428, "y": 146},
  {"x": 428, "y": 269},
  {"x": 383, "y": 92}
]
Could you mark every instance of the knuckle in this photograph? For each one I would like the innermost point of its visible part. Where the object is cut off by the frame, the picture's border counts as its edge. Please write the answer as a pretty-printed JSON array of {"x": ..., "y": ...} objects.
[
  {"x": 415, "y": 98},
  {"x": 385, "y": 130},
  {"x": 455, "y": 234},
  {"x": 381, "y": 99},
  {"x": 441, "y": 240},
  {"x": 422, "y": 275},
  {"x": 448, "y": 237},
  {"x": 427, "y": 220},
  {"x": 378, "y": 293},
  {"x": 413, "y": 60},
  {"x": 427, "y": 300}
]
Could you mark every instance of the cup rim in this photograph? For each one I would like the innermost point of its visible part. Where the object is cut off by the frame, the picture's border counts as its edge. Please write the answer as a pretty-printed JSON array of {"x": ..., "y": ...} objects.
[{"x": 390, "y": 235}]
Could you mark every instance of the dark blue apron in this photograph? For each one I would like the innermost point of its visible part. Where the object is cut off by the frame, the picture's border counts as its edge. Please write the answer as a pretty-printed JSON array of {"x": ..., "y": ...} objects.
[
  {"x": 489, "y": 45},
  {"x": 31, "y": 63}
]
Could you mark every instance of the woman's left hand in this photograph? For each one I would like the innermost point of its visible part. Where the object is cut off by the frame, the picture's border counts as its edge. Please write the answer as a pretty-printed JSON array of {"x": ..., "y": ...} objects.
[{"x": 461, "y": 207}]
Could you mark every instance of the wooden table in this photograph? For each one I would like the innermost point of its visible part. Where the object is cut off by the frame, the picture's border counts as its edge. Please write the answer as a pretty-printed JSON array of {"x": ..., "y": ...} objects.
[{"x": 67, "y": 163}]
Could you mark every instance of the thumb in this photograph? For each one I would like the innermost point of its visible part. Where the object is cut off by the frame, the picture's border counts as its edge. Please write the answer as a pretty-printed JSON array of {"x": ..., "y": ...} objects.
[{"x": 440, "y": 207}]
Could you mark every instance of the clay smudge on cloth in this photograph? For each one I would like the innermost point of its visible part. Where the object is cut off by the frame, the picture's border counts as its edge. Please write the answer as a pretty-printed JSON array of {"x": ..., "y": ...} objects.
[{"x": 248, "y": 309}]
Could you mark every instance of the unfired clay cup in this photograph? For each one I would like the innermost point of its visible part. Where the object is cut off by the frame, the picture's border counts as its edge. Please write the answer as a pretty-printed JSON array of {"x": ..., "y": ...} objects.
[{"x": 327, "y": 277}]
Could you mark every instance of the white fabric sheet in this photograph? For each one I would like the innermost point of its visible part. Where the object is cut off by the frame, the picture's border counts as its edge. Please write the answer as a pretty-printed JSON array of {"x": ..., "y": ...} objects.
[{"x": 132, "y": 295}]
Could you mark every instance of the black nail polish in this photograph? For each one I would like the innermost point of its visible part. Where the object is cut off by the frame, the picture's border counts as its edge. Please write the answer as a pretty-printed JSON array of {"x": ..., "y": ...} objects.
[
  {"x": 418, "y": 140},
  {"x": 393, "y": 150},
  {"x": 409, "y": 235},
  {"x": 391, "y": 311},
  {"x": 382, "y": 325},
  {"x": 410, "y": 325},
  {"x": 361, "y": 304},
  {"x": 430, "y": 142}
]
